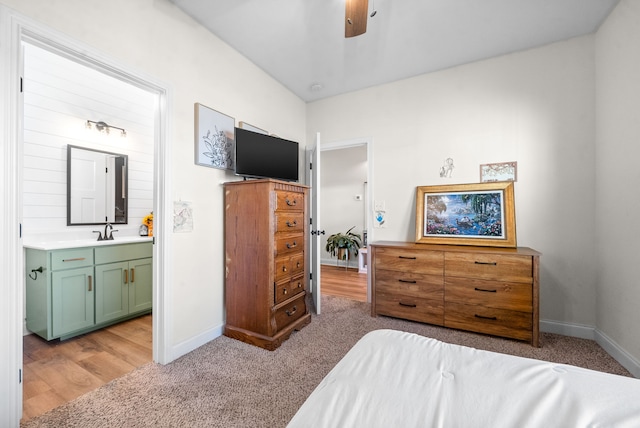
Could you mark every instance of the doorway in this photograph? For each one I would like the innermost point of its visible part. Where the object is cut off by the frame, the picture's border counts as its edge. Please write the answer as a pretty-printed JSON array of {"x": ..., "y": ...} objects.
[
  {"x": 61, "y": 96},
  {"x": 346, "y": 171}
]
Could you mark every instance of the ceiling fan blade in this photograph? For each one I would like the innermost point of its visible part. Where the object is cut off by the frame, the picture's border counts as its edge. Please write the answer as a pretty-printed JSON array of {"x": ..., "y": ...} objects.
[{"x": 355, "y": 20}]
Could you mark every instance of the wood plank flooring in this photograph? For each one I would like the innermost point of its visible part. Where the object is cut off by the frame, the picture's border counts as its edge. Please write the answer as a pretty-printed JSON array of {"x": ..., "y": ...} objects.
[
  {"x": 56, "y": 372},
  {"x": 336, "y": 281},
  {"x": 59, "y": 371}
]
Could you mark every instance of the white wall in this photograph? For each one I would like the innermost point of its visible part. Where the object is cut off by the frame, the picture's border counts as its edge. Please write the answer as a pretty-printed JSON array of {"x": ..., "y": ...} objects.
[
  {"x": 155, "y": 38},
  {"x": 618, "y": 177},
  {"x": 344, "y": 173},
  {"x": 534, "y": 107},
  {"x": 60, "y": 95}
]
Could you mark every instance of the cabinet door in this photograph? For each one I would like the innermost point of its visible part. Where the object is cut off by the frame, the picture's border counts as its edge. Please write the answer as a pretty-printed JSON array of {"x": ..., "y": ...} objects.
[
  {"x": 140, "y": 285},
  {"x": 112, "y": 296},
  {"x": 72, "y": 300}
]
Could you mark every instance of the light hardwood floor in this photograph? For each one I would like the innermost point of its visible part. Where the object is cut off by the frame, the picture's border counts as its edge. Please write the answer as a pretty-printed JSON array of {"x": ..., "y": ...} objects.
[
  {"x": 56, "y": 372},
  {"x": 336, "y": 281}
]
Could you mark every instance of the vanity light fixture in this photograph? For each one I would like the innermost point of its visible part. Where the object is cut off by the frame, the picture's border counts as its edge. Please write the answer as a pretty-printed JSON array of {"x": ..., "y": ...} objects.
[{"x": 105, "y": 127}]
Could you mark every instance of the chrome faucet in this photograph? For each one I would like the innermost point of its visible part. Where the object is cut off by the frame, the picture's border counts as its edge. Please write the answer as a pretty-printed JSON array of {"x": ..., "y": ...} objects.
[{"x": 108, "y": 232}]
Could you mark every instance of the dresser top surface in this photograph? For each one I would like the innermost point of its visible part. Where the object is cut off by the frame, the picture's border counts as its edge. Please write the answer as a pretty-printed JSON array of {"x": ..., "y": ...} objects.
[{"x": 457, "y": 248}]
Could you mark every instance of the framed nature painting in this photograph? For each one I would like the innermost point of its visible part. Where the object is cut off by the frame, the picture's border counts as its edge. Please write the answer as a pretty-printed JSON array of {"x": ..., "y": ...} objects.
[
  {"x": 466, "y": 214},
  {"x": 214, "y": 138}
]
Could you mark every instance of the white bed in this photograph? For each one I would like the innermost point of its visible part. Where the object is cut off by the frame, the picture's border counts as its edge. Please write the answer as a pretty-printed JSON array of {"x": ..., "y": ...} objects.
[{"x": 397, "y": 379}]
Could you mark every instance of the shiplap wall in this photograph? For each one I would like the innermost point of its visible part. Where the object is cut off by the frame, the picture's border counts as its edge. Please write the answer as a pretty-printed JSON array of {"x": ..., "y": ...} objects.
[{"x": 59, "y": 96}]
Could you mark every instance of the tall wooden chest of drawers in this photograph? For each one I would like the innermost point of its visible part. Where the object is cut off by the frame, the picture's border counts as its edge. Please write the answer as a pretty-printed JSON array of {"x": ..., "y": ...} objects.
[
  {"x": 483, "y": 289},
  {"x": 266, "y": 245}
]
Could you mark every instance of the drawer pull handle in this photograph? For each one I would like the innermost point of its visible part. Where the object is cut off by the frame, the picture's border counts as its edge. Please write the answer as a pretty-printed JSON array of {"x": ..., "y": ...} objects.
[
  {"x": 487, "y": 263},
  {"x": 408, "y": 305},
  {"x": 90, "y": 283},
  {"x": 291, "y": 203},
  {"x": 406, "y": 257},
  {"x": 292, "y": 311},
  {"x": 298, "y": 264},
  {"x": 299, "y": 285},
  {"x": 132, "y": 273},
  {"x": 486, "y": 318},
  {"x": 290, "y": 224},
  {"x": 126, "y": 276},
  {"x": 284, "y": 268},
  {"x": 284, "y": 291},
  {"x": 294, "y": 245},
  {"x": 485, "y": 291},
  {"x": 407, "y": 281},
  {"x": 77, "y": 259}
]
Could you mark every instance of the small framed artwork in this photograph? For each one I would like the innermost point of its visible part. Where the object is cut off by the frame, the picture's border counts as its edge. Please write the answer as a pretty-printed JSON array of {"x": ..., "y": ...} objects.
[
  {"x": 245, "y": 125},
  {"x": 504, "y": 171},
  {"x": 214, "y": 138},
  {"x": 466, "y": 214}
]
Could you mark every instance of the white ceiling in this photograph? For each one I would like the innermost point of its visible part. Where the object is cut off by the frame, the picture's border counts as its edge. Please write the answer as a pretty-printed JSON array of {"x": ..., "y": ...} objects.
[{"x": 301, "y": 43}]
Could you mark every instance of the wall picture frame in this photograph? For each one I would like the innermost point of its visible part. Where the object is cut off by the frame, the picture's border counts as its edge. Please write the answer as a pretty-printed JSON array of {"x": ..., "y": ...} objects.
[
  {"x": 480, "y": 214},
  {"x": 214, "y": 138},
  {"x": 501, "y": 171}
]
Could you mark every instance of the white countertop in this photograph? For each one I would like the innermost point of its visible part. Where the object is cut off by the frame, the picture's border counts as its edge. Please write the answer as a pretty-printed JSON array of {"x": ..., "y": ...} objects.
[{"x": 59, "y": 245}]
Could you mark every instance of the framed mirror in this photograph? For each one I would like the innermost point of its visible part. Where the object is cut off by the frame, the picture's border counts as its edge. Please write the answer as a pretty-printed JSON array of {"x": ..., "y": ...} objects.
[{"x": 97, "y": 187}]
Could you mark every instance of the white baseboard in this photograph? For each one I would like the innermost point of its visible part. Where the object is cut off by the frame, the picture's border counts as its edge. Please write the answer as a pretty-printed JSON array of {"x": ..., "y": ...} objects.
[
  {"x": 333, "y": 262},
  {"x": 194, "y": 343},
  {"x": 625, "y": 359}
]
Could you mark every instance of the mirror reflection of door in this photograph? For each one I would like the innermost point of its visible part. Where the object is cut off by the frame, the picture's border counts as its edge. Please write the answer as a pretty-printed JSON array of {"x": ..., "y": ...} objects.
[
  {"x": 88, "y": 187},
  {"x": 97, "y": 188}
]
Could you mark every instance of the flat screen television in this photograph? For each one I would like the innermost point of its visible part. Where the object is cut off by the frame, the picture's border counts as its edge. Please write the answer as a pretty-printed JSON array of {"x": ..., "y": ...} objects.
[{"x": 265, "y": 156}]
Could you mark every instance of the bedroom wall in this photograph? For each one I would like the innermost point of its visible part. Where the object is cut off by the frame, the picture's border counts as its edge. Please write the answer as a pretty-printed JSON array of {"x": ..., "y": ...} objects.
[
  {"x": 157, "y": 39},
  {"x": 617, "y": 178},
  {"x": 535, "y": 107}
]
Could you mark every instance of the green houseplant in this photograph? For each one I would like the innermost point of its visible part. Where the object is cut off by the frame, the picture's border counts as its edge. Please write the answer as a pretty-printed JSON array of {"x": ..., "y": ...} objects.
[{"x": 344, "y": 244}]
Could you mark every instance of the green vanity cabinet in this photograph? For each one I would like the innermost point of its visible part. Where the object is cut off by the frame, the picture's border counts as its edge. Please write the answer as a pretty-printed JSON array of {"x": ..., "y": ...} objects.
[
  {"x": 76, "y": 290},
  {"x": 123, "y": 281}
]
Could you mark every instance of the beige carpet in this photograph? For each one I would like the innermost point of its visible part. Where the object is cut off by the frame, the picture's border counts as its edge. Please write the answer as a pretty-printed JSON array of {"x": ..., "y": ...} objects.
[{"x": 227, "y": 383}]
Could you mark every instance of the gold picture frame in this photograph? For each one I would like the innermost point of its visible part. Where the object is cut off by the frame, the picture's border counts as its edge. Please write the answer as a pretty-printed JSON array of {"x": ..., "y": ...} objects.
[{"x": 481, "y": 214}]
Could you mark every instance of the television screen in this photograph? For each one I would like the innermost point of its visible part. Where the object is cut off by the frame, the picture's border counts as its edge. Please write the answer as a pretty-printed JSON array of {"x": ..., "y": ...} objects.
[{"x": 265, "y": 156}]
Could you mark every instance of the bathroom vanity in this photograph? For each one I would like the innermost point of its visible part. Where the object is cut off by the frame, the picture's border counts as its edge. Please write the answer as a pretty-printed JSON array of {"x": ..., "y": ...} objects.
[{"x": 79, "y": 286}]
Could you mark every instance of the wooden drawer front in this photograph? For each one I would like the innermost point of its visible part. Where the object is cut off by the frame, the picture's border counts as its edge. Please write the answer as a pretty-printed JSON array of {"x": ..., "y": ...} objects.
[
  {"x": 405, "y": 260},
  {"x": 289, "y": 201},
  {"x": 289, "y": 244},
  {"x": 515, "y": 296},
  {"x": 68, "y": 259},
  {"x": 502, "y": 267},
  {"x": 410, "y": 307},
  {"x": 290, "y": 312},
  {"x": 289, "y": 222},
  {"x": 409, "y": 284},
  {"x": 499, "y": 322},
  {"x": 287, "y": 267},
  {"x": 288, "y": 288}
]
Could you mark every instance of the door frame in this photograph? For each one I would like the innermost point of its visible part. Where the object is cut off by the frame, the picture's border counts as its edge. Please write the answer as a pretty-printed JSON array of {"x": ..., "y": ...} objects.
[
  {"x": 356, "y": 142},
  {"x": 14, "y": 29}
]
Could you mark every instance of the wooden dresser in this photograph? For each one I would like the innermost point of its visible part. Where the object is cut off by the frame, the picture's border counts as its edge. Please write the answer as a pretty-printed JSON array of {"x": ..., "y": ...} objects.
[
  {"x": 266, "y": 244},
  {"x": 483, "y": 289}
]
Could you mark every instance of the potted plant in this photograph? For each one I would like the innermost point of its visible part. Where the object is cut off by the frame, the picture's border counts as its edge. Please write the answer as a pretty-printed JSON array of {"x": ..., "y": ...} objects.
[{"x": 344, "y": 244}]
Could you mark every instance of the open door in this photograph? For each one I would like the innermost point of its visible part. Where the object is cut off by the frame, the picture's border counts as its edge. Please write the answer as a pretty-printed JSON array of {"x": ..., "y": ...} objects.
[{"x": 313, "y": 180}]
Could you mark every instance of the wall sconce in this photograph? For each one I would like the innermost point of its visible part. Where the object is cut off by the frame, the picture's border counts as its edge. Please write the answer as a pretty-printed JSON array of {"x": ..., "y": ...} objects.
[{"x": 104, "y": 127}]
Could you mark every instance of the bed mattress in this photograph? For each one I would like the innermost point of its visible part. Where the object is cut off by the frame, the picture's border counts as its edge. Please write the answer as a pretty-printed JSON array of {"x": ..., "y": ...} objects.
[{"x": 398, "y": 379}]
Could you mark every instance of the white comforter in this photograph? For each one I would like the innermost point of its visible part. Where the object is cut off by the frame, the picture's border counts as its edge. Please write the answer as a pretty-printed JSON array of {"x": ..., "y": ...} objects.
[{"x": 396, "y": 379}]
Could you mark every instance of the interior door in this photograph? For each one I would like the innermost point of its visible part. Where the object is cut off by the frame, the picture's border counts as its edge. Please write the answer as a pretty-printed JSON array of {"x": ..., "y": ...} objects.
[{"x": 313, "y": 180}]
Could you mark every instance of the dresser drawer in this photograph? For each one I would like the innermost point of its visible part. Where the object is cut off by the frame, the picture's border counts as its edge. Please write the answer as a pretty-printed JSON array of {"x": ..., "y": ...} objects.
[
  {"x": 409, "y": 284},
  {"x": 289, "y": 266},
  {"x": 501, "y": 267},
  {"x": 288, "y": 288},
  {"x": 516, "y": 296},
  {"x": 290, "y": 312},
  {"x": 289, "y": 201},
  {"x": 289, "y": 222},
  {"x": 407, "y": 260},
  {"x": 289, "y": 243},
  {"x": 499, "y": 322},
  {"x": 410, "y": 307},
  {"x": 72, "y": 258}
]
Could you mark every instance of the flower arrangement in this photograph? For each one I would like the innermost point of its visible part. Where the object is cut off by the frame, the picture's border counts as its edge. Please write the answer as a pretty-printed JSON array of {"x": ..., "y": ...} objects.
[{"x": 148, "y": 221}]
